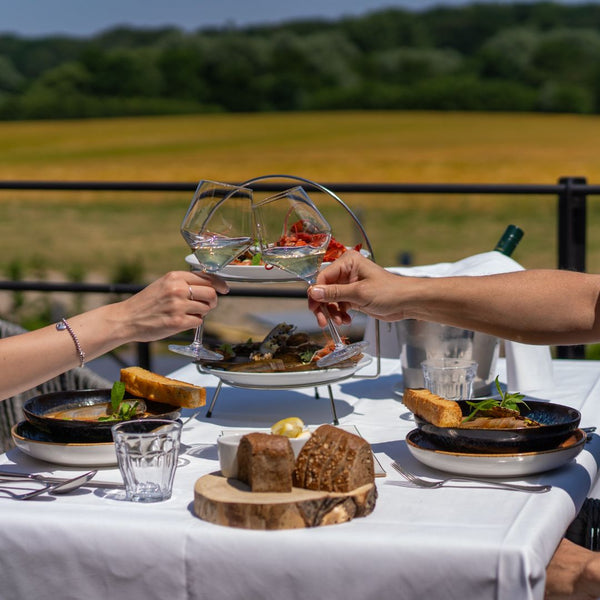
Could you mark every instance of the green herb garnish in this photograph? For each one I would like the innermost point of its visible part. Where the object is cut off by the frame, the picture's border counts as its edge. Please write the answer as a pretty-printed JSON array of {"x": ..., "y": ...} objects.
[
  {"x": 306, "y": 356},
  {"x": 120, "y": 410},
  {"x": 256, "y": 259},
  {"x": 509, "y": 401}
]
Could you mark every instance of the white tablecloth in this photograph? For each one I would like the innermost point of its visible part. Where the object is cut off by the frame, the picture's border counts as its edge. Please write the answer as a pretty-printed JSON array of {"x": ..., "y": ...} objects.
[{"x": 452, "y": 543}]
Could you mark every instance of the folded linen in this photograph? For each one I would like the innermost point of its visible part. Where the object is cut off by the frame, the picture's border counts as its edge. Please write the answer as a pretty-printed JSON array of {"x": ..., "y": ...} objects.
[{"x": 529, "y": 368}]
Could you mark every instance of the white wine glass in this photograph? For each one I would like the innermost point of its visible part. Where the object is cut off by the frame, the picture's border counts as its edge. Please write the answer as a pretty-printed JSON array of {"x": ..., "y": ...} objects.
[
  {"x": 218, "y": 227},
  {"x": 294, "y": 236}
]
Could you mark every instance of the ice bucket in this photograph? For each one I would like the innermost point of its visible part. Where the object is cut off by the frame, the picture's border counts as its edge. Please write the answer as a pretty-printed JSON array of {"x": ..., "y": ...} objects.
[{"x": 421, "y": 340}]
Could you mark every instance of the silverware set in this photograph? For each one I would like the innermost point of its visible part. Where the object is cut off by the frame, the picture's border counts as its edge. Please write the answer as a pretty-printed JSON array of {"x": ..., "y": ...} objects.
[
  {"x": 50, "y": 485},
  {"x": 491, "y": 483}
]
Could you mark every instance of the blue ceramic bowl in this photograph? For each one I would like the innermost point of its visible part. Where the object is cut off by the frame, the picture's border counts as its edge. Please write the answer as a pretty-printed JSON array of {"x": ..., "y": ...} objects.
[
  {"x": 558, "y": 422},
  {"x": 42, "y": 410}
]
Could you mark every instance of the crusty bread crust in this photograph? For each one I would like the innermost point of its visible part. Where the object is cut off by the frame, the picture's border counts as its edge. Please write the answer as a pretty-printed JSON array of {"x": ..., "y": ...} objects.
[
  {"x": 152, "y": 386},
  {"x": 434, "y": 409},
  {"x": 334, "y": 460}
]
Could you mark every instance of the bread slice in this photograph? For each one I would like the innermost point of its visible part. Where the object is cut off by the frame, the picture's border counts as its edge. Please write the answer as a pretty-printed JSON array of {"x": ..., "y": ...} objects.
[
  {"x": 434, "y": 409},
  {"x": 334, "y": 460},
  {"x": 266, "y": 462},
  {"x": 152, "y": 386}
]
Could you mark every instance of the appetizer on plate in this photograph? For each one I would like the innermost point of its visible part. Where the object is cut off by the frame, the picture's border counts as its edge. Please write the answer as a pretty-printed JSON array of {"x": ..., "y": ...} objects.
[
  {"x": 282, "y": 350},
  {"x": 491, "y": 425}
]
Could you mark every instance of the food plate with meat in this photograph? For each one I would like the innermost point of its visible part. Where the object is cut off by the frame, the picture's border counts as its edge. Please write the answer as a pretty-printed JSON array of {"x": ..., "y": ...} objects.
[
  {"x": 284, "y": 358},
  {"x": 472, "y": 464},
  {"x": 76, "y": 415},
  {"x": 287, "y": 379},
  {"x": 542, "y": 426}
]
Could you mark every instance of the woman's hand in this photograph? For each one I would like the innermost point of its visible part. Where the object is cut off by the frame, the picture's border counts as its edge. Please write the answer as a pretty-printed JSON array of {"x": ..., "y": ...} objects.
[{"x": 176, "y": 302}]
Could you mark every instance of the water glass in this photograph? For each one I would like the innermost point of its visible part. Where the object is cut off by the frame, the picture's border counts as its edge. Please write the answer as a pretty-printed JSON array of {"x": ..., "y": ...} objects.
[
  {"x": 450, "y": 378},
  {"x": 147, "y": 452}
]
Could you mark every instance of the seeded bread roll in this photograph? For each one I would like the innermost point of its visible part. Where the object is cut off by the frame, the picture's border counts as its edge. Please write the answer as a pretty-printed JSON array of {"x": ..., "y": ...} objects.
[
  {"x": 434, "y": 409},
  {"x": 152, "y": 386},
  {"x": 265, "y": 462},
  {"x": 334, "y": 460}
]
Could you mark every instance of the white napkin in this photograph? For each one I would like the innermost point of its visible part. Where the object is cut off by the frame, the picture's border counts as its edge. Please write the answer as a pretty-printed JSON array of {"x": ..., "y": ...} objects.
[{"x": 529, "y": 368}]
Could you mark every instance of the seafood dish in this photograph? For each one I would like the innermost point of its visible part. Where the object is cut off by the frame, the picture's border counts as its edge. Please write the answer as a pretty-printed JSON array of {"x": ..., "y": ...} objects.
[{"x": 282, "y": 349}]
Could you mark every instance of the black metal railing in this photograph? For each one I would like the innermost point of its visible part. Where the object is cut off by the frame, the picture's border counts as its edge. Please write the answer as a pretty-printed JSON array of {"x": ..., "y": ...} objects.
[{"x": 571, "y": 194}]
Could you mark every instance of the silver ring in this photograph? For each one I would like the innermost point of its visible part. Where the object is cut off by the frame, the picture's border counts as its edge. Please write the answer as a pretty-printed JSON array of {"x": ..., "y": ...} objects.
[{"x": 190, "y": 291}]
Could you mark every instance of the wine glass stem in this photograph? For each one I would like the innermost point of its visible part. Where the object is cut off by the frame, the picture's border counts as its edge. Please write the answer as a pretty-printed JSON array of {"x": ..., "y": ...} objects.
[
  {"x": 198, "y": 335},
  {"x": 333, "y": 331}
]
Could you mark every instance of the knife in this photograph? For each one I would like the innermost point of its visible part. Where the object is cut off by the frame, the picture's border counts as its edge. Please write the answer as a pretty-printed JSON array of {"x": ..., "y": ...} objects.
[{"x": 14, "y": 476}]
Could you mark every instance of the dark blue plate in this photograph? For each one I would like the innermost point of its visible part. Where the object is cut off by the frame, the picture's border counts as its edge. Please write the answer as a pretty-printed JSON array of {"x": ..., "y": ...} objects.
[
  {"x": 557, "y": 423},
  {"x": 38, "y": 410}
]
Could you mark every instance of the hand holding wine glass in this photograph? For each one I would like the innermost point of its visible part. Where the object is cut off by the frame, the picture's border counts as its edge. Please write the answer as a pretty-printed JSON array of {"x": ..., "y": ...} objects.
[
  {"x": 218, "y": 228},
  {"x": 294, "y": 236}
]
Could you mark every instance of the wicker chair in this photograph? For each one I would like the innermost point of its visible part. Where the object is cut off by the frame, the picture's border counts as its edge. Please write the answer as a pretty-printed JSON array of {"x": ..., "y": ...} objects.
[{"x": 11, "y": 410}]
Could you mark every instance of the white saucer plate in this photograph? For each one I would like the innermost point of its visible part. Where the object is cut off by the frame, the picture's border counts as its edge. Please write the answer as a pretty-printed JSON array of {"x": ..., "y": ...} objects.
[
  {"x": 287, "y": 379},
  {"x": 38, "y": 445},
  {"x": 494, "y": 465}
]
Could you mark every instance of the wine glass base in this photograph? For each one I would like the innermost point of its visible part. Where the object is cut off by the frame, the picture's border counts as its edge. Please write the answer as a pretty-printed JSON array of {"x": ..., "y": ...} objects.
[
  {"x": 342, "y": 353},
  {"x": 196, "y": 352}
]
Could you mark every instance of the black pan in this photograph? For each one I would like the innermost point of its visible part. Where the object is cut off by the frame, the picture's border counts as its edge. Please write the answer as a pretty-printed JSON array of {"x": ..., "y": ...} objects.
[
  {"x": 38, "y": 409},
  {"x": 557, "y": 424}
]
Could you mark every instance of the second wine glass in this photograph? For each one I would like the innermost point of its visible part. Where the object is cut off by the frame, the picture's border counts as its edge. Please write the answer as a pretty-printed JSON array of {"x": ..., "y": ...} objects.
[
  {"x": 294, "y": 236},
  {"x": 218, "y": 228}
]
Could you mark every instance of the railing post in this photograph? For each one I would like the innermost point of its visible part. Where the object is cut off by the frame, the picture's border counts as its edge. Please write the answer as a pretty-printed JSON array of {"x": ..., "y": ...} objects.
[
  {"x": 572, "y": 208},
  {"x": 143, "y": 352}
]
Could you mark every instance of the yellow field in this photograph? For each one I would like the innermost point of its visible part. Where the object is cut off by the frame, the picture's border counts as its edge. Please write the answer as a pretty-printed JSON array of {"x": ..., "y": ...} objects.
[
  {"x": 326, "y": 147},
  {"x": 96, "y": 232}
]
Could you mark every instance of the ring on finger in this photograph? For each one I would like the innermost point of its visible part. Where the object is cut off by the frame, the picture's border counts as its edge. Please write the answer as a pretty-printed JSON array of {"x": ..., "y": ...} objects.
[{"x": 191, "y": 293}]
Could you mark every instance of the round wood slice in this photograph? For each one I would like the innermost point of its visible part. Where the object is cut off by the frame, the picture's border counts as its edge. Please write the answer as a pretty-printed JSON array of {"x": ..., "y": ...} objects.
[{"x": 230, "y": 502}]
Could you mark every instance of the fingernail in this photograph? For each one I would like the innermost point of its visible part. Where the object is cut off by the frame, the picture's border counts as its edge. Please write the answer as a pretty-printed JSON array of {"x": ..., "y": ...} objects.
[{"x": 317, "y": 293}]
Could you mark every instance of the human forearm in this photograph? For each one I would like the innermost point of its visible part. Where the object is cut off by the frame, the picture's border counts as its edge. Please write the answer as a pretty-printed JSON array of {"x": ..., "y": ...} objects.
[
  {"x": 173, "y": 303},
  {"x": 537, "y": 306}
]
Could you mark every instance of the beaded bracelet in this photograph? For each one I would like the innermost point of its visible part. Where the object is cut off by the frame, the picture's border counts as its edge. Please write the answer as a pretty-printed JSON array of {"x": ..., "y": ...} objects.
[{"x": 64, "y": 324}]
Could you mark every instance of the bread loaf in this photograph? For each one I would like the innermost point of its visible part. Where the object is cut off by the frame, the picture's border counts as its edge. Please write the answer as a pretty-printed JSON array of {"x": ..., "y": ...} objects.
[
  {"x": 434, "y": 409},
  {"x": 152, "y": 386},
  {"x": 334, "y": 460},
  {"x": 265, "y": 462}
]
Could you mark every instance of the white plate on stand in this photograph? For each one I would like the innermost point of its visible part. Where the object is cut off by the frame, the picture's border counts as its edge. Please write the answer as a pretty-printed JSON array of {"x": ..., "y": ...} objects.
[{"x": 286, "y": 379}]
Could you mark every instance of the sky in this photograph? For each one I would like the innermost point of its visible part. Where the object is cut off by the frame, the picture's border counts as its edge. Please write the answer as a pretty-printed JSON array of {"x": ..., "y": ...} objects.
[{"x": 34, "y": 18}]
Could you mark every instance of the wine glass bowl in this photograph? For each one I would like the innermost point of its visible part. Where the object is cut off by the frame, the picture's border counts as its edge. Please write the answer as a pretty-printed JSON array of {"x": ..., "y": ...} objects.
[
  {"x": 218, "y": 227},
  {"x": 293, "y": 236}
]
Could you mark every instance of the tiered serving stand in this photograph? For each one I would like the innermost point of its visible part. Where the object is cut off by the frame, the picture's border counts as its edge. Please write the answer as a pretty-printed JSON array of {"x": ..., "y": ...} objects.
[{"x": 308, "y": 378}]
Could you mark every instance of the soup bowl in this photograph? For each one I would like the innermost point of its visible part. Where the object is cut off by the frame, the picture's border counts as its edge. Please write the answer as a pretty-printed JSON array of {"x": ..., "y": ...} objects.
[{"x": 72, "y": 416}]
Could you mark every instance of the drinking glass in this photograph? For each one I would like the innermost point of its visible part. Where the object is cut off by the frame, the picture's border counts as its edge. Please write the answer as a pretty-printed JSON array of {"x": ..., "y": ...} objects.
[
  {"x": 147, "y": 452},
  {"x": 218, "y": 228},
  {"x": 450, "y": 378},
  {"x": 294, "y": 236}
]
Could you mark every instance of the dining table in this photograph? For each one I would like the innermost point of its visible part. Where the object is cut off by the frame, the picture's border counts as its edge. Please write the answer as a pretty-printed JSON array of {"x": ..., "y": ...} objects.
[{"x": 458, "y": 542}]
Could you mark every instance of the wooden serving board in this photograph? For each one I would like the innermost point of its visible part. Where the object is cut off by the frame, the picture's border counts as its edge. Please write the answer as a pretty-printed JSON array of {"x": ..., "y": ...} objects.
[{"x": 230, "y": 502}]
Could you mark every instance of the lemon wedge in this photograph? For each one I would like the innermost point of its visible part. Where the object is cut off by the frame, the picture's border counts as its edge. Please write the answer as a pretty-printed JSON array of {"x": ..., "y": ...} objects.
[{"x": 291, "y": 427}]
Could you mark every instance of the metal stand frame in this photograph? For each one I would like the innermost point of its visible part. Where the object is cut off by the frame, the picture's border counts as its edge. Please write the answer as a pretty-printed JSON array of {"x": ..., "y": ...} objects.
[{"x": 360, "y": 227}]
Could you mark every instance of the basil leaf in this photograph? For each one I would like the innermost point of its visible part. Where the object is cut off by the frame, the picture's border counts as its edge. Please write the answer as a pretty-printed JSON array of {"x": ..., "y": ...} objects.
[{"x": 117, "y": 393}]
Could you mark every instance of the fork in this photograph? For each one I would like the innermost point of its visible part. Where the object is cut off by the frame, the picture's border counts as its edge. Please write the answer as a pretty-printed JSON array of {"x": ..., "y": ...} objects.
[{"x": 436, "y": 483}]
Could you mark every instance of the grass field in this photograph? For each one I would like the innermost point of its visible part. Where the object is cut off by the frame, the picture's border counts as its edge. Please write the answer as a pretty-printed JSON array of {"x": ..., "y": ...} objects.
[{"x": 70, "y": 235}]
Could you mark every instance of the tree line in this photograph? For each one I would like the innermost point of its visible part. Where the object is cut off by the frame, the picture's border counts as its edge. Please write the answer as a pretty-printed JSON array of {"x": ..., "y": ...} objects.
[{"x": 540, "y": 56}]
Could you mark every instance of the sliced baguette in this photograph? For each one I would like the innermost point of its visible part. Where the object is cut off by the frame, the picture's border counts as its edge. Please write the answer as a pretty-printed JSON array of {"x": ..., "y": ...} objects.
[
  {"x": 434, "y": 409},
  {"x": 152, "y": 386}
]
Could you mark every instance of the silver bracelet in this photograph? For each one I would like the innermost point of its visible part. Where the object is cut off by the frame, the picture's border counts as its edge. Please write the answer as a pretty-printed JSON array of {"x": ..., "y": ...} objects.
[{"x": 64, "y": 324}]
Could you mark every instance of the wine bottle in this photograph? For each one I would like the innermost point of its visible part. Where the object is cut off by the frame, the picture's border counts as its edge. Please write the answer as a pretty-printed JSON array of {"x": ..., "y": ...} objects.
[{"x": 509, "y": 240}]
